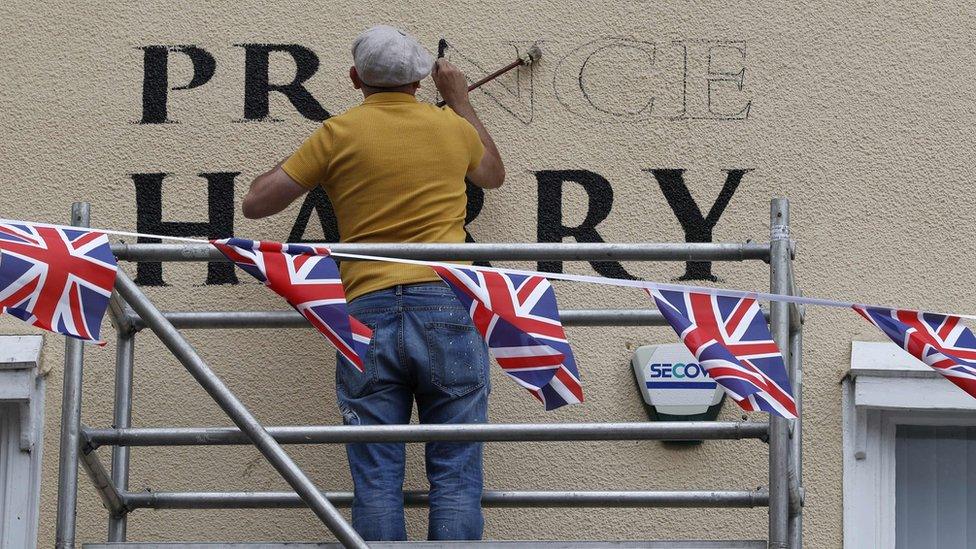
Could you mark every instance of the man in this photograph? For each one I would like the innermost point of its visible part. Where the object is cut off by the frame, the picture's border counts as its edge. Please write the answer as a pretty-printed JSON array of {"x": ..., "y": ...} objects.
[{"x": 394, "y": 169}]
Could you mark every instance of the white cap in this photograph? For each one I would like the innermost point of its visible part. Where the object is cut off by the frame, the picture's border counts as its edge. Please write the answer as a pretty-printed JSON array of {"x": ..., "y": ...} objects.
[{"x": 387, "y": 57}]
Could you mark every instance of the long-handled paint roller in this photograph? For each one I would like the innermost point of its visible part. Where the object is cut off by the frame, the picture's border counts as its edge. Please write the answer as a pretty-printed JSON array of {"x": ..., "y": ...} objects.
[{"x": 531, "y": 56}]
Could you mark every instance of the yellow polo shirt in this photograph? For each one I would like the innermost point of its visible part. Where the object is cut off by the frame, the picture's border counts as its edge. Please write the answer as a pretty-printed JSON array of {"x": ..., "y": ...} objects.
[{"x": 394, "y": 170}]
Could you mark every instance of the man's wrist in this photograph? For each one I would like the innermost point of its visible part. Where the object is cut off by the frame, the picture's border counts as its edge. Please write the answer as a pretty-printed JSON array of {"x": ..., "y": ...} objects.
[{"x": 463, "y": 103}]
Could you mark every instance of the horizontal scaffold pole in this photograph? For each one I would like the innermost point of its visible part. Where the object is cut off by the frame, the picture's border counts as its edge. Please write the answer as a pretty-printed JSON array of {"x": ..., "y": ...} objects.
[
  {"x": 492, "y": 432},
  {"x": 471, "y": 251},
  {"x": 214, "y": 320},
  {"x": 490, "y": 498},
  {"x": 225, "y": 320}
]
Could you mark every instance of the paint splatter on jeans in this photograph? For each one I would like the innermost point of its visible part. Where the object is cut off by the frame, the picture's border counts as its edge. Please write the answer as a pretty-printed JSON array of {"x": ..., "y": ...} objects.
[{"x": 424, "y": 349}]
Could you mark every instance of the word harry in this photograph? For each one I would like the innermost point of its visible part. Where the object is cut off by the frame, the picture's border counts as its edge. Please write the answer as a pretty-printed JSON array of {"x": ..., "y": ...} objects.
[
  {"x": 610, "y": 79},
  {"x": 551, "y": 226}
]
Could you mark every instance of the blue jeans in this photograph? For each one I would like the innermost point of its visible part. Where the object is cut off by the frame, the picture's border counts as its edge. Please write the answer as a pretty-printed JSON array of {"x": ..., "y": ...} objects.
[{"x": 424, "y": 347}]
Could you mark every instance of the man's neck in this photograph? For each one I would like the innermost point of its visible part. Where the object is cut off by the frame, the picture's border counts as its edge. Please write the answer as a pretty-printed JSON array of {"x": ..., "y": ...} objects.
[{"x": 408, "y": 89}]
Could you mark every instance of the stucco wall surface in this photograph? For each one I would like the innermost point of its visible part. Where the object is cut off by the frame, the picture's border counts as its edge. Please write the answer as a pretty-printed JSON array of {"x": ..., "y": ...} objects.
[{"x": 860, "y": 112}]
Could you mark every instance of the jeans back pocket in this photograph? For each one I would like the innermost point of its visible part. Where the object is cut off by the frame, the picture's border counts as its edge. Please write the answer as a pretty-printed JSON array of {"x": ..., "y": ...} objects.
[
  {"x": 350, "y": 382},
  {"x": 458, "y": 358}
]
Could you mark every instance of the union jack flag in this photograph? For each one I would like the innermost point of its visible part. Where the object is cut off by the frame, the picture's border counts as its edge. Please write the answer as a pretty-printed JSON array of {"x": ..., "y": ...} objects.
[
  {"x": 56, "y": 278},
  {"x": 941, "y": 341},
  {"x": 518, "y": 317},
  {"x": 309, "y": 281},
  {"x": 731, "y": 340}
]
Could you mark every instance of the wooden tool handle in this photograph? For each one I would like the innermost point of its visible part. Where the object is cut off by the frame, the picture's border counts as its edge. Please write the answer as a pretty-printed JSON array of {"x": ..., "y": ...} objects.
[{"x": 490, "y": 77}]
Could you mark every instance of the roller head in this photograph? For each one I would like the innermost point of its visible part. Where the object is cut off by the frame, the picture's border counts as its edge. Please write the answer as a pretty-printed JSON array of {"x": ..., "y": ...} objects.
[{"x": 532, "y": 55}]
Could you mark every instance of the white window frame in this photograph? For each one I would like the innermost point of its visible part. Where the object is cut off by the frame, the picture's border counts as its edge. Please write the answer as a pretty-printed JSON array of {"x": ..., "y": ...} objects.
[
  {"x": 21, "y": 438},
  {"x": 887, "y": 387}
]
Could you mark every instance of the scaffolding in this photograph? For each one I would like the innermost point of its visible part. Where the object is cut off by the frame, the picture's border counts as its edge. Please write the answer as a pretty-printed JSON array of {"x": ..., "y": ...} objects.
[{"x": 131, "y": 312}]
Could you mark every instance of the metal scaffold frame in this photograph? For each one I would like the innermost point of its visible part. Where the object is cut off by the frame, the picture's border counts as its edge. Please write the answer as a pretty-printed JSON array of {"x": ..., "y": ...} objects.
[{"x": 131, "y": 311}]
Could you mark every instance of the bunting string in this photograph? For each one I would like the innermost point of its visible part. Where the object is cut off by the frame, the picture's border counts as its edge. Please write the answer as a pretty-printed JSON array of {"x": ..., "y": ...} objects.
[
  {"x": 589, "y": 279},
  {"x": 60, "y": 277}
]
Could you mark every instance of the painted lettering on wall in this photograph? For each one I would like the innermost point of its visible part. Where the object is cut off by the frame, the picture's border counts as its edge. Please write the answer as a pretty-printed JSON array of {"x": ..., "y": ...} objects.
[
  {"x": 155, "y": 80},
  {"x": 550, "y": 224},
  {"x": 611, "y": 79},
  {"x": 696, "y": 227},
  {"x": 257, "y": 86},
  {"x": 679, "y": 80},
  {"x": 219, "y": 222}
]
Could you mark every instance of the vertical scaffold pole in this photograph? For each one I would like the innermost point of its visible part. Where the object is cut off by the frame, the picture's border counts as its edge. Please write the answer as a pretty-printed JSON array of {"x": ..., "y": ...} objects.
[
  {"x": 122, "y": 418},
  {"x": 70, "y": 421},
  {"x": 796, "y": 446},
  {"x": 779, "y": 323}
]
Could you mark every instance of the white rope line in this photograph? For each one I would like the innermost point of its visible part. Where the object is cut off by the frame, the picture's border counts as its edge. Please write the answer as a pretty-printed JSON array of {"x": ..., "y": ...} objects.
[
  {"x": 641, "y": 284},
  {"x": 106, "y": 231}
]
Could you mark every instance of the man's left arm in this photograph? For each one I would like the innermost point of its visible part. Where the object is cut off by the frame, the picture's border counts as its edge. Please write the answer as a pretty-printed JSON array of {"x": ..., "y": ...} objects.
[{"x": 270, "y": 193}]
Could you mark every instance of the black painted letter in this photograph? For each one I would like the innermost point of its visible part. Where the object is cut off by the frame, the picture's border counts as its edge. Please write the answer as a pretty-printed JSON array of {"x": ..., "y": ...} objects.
[
  {"x": 316, "y": 201},
  {"x": 550, "y": 226},
  {"x": 257, "y": 87},
  {"x": 149, "y": 219},
  {"x": 696, "y": 227},
  {"x": 155, "y": 81},
  {"x": 476, "y": 201}
]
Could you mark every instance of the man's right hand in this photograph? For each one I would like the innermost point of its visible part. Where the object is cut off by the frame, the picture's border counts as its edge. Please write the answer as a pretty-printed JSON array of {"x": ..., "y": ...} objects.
[{"x": 450, "y": 82}]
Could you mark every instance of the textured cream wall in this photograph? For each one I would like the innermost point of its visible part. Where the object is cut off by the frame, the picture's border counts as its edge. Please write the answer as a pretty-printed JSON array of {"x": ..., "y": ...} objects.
[{"x": 861, "y": 113}]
